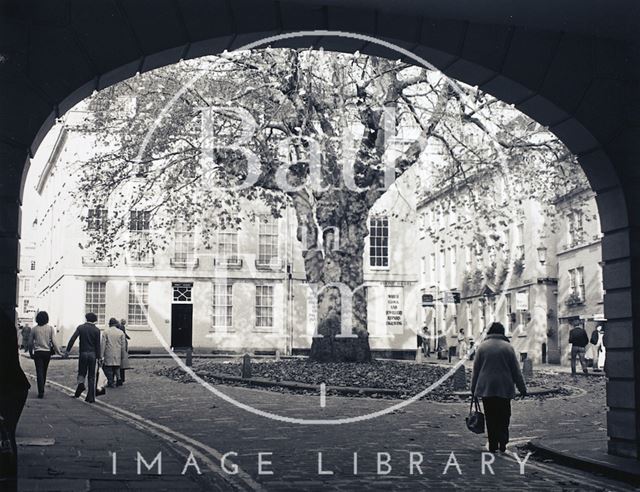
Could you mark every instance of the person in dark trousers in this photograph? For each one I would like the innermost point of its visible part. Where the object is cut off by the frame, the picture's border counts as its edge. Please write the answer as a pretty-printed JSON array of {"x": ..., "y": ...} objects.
[
  {"x": 125, "y": 360},
  {"x": 25, "y": 333},
  {"x": 42, "y": 341},
  {"x": 113, "y": 352},
  {"x": 14, "y": 388},
  {"x": 578, "y": 339},
  {"x": 495, "y": 372},
  {"x": 89, "y": 335}
]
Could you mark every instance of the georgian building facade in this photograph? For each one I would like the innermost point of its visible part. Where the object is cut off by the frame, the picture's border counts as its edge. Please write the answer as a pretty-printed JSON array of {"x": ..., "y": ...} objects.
[
  {"x": 512, "y": 280},
  {"x": 580, "y": 288},
  {"x": 541, "y": 275},
  {"x": 248, "y": 292},
  {"x": 236, "y": 296},
  {"x": 26, "y": 289}
]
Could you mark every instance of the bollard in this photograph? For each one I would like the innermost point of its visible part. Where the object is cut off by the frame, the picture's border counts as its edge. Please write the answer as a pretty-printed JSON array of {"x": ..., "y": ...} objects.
[
  {"x": 246, "y": 366},
  {"x": 452, "y": 352},
  {"x": 277, "y": 355},
  {"x": 460, "y": 379},
  {"x": 527, "y": 369},
  {"x": 189, "y": 357},
  {"x": 419, "y": 356}
]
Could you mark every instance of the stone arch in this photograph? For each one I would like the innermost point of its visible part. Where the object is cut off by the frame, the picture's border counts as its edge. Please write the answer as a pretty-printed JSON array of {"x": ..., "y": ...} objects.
[{"x": 571, "y": 77}]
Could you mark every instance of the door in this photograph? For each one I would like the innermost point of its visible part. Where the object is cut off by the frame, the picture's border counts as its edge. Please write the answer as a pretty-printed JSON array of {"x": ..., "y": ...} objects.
[{"x": 181, "y": 325}]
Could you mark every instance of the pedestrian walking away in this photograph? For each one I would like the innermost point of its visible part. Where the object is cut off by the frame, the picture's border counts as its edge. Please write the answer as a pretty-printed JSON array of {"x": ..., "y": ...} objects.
[
  {"x": 578, "y": 339},
  {"x": 89, "y": 335},
  {"x": 42, "y": 344},
  {"x": 113, "y": 347},
  {"x": 26, "y": 331},
  {"x": 124, "y": 365},
  {"x": 14, "y": 388},
  {"x": 495, "y": 373}
]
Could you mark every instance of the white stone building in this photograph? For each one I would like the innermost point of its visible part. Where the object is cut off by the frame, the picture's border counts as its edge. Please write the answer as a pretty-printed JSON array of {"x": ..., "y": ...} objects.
[
  {"x": 26, "y": 285},
  {"x": 511, "y": 279},
  {"x": 247, "y": 293},
  {"x": 580, "y": 288}
]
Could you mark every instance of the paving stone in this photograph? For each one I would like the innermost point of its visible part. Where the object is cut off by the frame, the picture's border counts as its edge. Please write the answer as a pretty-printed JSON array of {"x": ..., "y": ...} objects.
[
  {"x": 425, "y": 427},
  {"x": 65, "y": 444}
]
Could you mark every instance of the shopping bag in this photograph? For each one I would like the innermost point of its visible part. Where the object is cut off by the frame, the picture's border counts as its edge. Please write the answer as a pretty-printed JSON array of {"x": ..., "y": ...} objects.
[
  {"x": 475, "y": 420},
  {"x": 101, "y": 382}
]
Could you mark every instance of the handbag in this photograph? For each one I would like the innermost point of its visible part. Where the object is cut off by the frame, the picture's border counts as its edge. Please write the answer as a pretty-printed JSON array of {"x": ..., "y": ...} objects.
[
  {"x": 101, "y": 381},
  {"x": 52, "y": 351},
  {"x": 475, "y": 420}
]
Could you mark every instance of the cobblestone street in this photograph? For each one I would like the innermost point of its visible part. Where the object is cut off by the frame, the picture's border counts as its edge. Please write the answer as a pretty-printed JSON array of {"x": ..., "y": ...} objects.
[{"x": 216, "y": 427}]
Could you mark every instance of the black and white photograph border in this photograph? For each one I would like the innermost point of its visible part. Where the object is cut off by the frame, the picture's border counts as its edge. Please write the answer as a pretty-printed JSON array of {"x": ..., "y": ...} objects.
[{"x": 495, "y": 347}]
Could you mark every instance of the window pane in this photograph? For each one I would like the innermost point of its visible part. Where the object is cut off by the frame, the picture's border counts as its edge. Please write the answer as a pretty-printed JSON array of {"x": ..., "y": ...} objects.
[
  {"x": 138, "y": 303},
  {"x": 379, "y": 242},
  {"x": 184, "y": 244},
  {"x": 228, "y": 245},
  {"x": 264, "y": 306},
  {"x": 95, "y": 299},
  {"x": 97, "y": 219},
  {"x": 267, "y": 239},
  {"x": 222, "y": 307}
]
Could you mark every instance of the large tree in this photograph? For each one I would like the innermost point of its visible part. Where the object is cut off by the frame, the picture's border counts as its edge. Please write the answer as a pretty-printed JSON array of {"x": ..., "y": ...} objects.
[{"x": 179, "y": 143}]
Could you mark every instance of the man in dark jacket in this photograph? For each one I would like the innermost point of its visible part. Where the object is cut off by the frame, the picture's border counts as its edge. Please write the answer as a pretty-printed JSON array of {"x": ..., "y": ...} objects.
[
  {"x": 89, "y": 335},
  {"x": 578, "y": 339}
]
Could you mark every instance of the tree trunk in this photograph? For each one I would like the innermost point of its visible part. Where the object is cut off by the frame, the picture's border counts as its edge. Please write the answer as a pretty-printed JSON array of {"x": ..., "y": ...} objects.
[{"x": 335, "y": 229}]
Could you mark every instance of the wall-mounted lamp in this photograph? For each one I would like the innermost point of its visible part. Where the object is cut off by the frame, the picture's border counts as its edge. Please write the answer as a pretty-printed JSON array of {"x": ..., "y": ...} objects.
[{"x": 542, "y": 254}]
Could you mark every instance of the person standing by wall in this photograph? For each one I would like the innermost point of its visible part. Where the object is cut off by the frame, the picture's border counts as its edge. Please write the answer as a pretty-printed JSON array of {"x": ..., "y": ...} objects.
[
  {"x": 426, "y": 341},
  {"x": 14, "y": 388},
  {"x": 113, "y": 350},
  {"x": 89, "y": 335},
  {"x": 443, "y": 346},
  {"x": 495, "y": 373},
  {"x": 578, "y": 339},
  {"x": 600, "y": 350},
  {"x": 42, "y": 343},
  {"x": 462, "y": 344}
]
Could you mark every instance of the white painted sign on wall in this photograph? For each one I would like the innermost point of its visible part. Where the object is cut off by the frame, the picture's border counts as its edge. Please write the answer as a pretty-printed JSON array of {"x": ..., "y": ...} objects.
[
  {"x": 522, "y": 301},
  {"x": 394, "y": 310}
]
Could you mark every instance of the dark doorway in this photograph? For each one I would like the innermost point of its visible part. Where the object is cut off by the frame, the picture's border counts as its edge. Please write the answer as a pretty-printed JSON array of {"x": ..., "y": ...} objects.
[{"x": 181, "y": 325}]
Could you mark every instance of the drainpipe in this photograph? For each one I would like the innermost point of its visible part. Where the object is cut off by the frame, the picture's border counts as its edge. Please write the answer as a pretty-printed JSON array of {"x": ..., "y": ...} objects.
[{"x": 287, "y": 271}]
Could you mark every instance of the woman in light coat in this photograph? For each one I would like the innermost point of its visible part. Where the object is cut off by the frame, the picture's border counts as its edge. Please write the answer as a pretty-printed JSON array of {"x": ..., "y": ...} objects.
[
  {"x": 495, "y": 372},
  {"x": 113, "y": 348}
]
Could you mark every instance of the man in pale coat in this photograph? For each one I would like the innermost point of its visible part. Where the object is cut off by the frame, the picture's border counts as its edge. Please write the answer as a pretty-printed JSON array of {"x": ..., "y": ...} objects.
[
  {"x": 113, "y": 351},
  {"x": 496, "y": 371}
]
